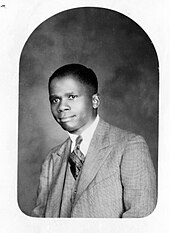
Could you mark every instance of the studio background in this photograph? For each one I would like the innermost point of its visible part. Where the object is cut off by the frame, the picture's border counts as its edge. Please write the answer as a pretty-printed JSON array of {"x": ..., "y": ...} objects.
[{"x": 125, "y": 62}]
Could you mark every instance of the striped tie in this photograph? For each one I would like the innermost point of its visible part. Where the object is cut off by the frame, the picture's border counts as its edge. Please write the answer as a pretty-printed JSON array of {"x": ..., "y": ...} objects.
[{"x": 76, "y": 158}]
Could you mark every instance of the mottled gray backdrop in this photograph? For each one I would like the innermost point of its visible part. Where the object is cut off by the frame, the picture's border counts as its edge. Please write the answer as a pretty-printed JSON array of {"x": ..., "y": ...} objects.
[{"x": 125, "y": 61}]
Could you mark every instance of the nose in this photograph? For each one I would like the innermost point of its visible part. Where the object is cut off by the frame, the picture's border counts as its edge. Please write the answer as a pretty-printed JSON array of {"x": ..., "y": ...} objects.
[{"x": 63, "y": 106}]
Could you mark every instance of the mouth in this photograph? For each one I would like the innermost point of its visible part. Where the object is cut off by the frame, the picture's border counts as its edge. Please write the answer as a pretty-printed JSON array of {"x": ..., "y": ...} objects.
[{"x": 66, "y": 119}]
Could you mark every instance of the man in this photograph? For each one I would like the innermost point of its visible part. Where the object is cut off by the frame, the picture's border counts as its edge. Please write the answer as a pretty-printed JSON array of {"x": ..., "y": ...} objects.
[{"x": 100, "y": 170}]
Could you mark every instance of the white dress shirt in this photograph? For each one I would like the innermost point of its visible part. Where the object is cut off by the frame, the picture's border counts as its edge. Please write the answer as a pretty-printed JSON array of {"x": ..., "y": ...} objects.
[{"x": 86, "y": 135}]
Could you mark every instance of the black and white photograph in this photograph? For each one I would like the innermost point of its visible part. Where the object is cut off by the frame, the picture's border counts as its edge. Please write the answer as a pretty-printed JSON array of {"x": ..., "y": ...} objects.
[{"x": 81, "y": 76}]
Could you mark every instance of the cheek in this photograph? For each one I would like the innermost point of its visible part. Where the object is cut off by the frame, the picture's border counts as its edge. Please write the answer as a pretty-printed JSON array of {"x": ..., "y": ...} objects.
[
  {"x": 85, "y": 110},
  {"x": 82, "y": 108},
  {"x": 53, "y": 110}
]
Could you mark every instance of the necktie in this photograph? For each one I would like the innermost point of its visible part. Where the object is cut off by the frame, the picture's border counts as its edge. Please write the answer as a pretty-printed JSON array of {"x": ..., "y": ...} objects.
[{"x": 76, "y": 158}]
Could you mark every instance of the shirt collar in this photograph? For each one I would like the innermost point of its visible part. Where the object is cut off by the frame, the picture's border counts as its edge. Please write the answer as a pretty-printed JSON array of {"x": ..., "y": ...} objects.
[{"x": 88, "y": 133}]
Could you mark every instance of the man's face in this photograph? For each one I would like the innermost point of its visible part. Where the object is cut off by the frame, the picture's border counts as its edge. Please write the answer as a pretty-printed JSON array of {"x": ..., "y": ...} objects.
[{"x": 71, "y": 104}]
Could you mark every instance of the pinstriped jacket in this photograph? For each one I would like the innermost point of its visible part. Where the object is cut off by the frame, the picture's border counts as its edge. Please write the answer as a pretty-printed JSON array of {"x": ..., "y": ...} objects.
[{"x": 117, "y": 179}]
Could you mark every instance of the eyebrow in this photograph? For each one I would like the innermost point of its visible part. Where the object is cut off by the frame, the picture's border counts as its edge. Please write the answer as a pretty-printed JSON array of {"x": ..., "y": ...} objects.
[{"x": 51, "y": 97}]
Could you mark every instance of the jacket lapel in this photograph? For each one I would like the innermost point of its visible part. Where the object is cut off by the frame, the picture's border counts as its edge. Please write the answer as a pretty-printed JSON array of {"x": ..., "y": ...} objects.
[
  {"x": 99, "y": 149},
  {"x": 59, "y": 160}
]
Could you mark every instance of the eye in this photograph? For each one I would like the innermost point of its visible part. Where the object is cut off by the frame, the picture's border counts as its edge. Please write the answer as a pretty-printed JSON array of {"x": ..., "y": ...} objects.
[
  {"x": 72, "y": 97},
  {"x": 54, "y": 100}
]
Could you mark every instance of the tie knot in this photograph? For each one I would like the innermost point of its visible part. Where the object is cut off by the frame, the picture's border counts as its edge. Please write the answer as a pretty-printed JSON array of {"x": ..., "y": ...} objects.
[{"x": 79, "y": 139}]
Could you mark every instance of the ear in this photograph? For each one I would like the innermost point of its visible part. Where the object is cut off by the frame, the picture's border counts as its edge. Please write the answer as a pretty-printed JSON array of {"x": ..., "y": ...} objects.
[{"x": 95, "y": 101}]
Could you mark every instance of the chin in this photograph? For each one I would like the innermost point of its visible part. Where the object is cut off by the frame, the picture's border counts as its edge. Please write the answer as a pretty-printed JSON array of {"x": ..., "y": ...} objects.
[{"x": 69, "y": 128}]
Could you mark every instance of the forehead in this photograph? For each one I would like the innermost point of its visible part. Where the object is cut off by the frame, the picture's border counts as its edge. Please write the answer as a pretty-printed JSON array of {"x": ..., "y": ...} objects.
[{"x": 67, "y": 84}]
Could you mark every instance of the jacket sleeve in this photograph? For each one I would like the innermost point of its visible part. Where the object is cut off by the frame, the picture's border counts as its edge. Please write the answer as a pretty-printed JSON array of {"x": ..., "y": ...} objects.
[
  {"x": 43, "y": 188},
  {"x": 138, "y": 179}
]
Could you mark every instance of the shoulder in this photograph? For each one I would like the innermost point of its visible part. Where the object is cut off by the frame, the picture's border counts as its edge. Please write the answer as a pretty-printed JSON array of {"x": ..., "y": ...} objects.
[
  {"x": 56, "y": 152},
  {"x": 120, "y": 136},
  {"x": 131, "y": 149},
  {"x": 114, "y": 132}
]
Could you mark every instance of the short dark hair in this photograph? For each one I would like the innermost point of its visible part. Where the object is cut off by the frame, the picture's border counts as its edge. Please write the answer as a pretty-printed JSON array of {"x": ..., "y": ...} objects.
[{"x": 79, "y": 72}]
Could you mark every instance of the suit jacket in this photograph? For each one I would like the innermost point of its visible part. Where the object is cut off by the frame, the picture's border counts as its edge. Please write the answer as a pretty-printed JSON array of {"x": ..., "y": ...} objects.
[{"x": 117, "y": 178}]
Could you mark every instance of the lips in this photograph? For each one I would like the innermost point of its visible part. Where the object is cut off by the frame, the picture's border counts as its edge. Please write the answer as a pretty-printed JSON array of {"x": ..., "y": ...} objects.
[{"x": 66, "y": 119}]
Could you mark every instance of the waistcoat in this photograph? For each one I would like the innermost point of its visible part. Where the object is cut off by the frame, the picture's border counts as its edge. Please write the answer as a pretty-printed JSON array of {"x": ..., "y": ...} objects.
[{"x": 69, "y": 193}]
